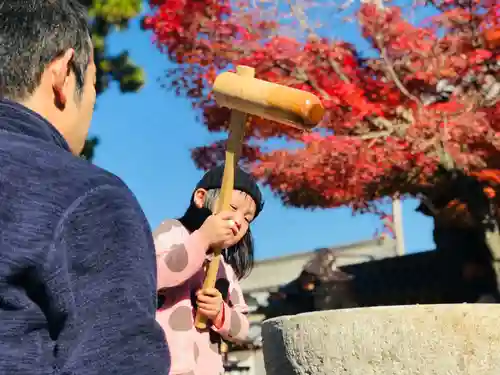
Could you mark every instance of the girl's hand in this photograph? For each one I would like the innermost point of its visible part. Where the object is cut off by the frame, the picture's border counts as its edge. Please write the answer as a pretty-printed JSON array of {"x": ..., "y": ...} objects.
[
  {"x": 209, "y": 303},
  {"x": 221, "y": 229}
]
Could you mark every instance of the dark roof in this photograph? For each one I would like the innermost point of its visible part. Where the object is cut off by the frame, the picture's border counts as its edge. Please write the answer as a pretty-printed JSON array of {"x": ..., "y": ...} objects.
[{"x": 427, "y": 277}]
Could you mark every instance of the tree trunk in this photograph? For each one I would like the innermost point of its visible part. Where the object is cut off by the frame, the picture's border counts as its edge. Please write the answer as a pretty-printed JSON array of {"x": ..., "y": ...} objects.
[
  {"x": 492, "y": 240},
  {"x": 466, "y": 225}
]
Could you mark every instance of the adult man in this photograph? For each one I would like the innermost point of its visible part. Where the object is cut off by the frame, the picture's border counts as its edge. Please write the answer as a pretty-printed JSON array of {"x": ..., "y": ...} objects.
[{"x": 77, "y": 264}]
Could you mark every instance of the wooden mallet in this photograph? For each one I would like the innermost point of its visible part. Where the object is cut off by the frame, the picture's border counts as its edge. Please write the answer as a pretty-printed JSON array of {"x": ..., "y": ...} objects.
[{"x": 244, "y": 94}]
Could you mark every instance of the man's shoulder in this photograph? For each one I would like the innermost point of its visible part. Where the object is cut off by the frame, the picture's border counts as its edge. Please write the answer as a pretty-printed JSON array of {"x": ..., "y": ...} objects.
[
  {"x": 101, "y": 199},
  {"x": 100, "y": 189},
  {"x": 83, "y": 180},
  {"x": 91, "y": 176},
  {"x": 44, "y": 173},
  {"x": 37, "y": 159}
]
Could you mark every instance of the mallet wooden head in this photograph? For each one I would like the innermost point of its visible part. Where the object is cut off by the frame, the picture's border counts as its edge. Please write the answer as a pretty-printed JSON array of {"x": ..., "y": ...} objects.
[{"x": 268, "y": 100}]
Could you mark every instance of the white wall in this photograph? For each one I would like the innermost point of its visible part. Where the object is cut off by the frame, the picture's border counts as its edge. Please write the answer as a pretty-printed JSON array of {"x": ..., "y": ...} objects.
[{"x": 251, "y": 358}]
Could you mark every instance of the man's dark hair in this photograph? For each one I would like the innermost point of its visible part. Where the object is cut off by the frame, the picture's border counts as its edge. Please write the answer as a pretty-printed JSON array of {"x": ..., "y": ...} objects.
[{"x": 32, "y": 34}]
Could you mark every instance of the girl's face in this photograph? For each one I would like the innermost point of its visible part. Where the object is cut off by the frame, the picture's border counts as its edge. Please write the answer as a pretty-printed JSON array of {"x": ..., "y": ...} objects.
[{"x": 241, "y": 203}]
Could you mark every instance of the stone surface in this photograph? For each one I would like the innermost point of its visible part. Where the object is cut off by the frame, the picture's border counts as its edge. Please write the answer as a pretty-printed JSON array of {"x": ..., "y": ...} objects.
[{"x": 398, "y": 340}]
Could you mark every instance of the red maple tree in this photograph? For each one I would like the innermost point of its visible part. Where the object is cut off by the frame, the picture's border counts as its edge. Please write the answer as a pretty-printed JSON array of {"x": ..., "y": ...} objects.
[
  {"x": 420, "y": 114},
  {"x": 429, "y": 99}
]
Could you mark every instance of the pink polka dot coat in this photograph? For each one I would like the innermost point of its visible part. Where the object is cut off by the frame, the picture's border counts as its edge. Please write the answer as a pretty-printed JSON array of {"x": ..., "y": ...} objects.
[{"x": 180, "y": 257}]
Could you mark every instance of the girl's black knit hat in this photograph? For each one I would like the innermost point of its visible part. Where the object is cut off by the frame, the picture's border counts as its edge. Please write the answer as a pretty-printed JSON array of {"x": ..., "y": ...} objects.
[{"x": 243, "y": 181}]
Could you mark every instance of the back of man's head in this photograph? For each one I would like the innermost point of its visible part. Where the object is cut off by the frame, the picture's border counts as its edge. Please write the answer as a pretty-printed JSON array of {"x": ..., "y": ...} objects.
[{"x": 32, "y": 34}]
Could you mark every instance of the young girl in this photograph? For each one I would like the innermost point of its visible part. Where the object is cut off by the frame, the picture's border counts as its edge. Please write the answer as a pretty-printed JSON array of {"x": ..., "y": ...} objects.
[{"x": 183, "y": 249}]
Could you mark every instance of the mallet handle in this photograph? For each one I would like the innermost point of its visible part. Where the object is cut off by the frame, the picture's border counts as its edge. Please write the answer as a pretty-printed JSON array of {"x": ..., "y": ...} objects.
[{"x": 233, "y": 150}]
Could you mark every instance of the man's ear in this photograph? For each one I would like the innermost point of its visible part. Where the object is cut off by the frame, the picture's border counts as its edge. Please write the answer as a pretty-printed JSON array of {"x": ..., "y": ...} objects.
[
  {"x": 60, "y": 70},
  {"x": 199, "y": 197}
]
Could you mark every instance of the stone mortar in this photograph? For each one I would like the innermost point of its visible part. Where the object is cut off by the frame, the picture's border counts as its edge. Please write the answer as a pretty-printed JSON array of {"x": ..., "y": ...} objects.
[{"x": 461, "y": 339}]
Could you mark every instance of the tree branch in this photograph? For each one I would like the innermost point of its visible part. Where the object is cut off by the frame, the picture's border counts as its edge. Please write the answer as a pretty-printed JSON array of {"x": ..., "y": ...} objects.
[
  {"x": 393, "y": 75},
  {"x": 375, "y": 135},
  {"x": 336, "y": 68}
]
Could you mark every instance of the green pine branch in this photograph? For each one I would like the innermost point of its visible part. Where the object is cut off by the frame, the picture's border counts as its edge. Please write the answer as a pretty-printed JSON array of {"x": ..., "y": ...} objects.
[{"x": 105, "y": 17}]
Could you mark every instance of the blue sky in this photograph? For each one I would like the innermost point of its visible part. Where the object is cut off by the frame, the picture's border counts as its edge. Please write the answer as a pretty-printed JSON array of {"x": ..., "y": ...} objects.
[{"x": 146, "y": 140}]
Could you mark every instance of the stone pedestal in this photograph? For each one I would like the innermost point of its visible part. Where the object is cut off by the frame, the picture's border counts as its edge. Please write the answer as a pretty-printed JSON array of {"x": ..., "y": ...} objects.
[{"x": 398, "y": 340}]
